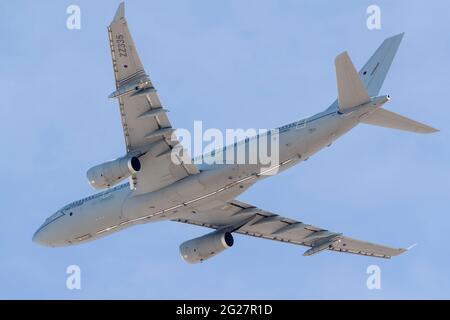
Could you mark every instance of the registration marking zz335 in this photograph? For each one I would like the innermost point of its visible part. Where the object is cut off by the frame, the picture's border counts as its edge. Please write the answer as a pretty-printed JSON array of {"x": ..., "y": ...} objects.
[{"x": 121, "y": 45}]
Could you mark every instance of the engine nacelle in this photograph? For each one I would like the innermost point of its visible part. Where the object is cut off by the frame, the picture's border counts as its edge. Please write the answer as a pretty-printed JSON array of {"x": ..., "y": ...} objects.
[
  {"x": 109, "y": 173},
  {"x": 204, "y": 247}
]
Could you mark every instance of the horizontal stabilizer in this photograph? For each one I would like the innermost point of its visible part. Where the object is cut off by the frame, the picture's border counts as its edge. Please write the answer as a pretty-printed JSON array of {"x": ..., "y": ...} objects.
[
  {"x": 389, "y": 119},
  {"x": 375, "y": 70},
  {"x": 351, "y": 90}
]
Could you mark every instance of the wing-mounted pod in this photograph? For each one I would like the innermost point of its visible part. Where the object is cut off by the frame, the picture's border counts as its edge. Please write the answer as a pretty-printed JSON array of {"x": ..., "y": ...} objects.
[
  {"x": 207, "y": 246},
  {"x": 109, "y": 173}
]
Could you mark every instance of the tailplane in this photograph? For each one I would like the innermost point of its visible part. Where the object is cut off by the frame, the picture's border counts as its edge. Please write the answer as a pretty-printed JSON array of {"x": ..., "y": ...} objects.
[
  {"x": 375, "y": 70},
  {"x": 388, "y": 119}
]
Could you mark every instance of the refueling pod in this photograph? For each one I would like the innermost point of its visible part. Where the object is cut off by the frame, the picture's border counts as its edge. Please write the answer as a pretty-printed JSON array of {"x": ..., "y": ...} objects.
[
  {"x": 207, "y": 246},
  {"x": 109, "y": 173}
]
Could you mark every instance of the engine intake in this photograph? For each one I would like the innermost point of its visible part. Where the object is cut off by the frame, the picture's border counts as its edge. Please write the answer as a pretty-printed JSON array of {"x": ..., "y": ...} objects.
[
  {"x": 207, "y": 246},
  {"x": 109, "y": 173}
]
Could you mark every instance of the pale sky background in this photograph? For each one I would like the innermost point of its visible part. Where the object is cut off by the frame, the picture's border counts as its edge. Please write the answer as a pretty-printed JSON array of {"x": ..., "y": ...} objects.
[{"x": 232, "y": 64}]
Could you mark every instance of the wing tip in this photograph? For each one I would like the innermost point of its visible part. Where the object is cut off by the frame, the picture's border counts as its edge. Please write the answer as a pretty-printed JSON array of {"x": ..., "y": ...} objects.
[
  {"x": 431, "y": 130},
  {"x": 401, "y": 251},
  {"x": 398, "y": 37},
  {"x": 120, "y": 12},
  {"x": 425, "y": 129},
  {"x": 342, "y": 55}
]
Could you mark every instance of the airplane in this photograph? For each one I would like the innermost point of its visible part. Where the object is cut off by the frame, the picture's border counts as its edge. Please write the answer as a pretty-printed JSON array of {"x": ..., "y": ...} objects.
[{"x": 160, "y": 189}]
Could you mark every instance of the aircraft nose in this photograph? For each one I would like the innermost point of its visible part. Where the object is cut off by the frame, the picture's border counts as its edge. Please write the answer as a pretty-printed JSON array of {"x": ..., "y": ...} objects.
[
  {"x": 39, "y": 238},
  {"x": 53, "y": 233}
]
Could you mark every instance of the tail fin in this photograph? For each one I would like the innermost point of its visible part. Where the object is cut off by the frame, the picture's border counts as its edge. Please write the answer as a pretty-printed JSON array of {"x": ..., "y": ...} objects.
[
  {"x": 351, "y": 91},
  {"x": 375, "y": 70},
  {"x": 355, "y": 89},
  {"x": 388, "y": 119}
]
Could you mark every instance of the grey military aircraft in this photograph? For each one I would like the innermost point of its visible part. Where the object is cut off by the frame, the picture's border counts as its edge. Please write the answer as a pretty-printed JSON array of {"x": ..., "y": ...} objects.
[{"x": 160, "y": 189}]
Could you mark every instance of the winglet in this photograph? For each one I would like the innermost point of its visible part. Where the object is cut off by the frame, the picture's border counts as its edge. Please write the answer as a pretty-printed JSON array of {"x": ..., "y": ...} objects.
[{"x": 120, "y": 13}]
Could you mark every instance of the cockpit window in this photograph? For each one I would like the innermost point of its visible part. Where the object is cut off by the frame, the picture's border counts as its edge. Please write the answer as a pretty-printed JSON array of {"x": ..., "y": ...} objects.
[{"x": 55, "y": 216}]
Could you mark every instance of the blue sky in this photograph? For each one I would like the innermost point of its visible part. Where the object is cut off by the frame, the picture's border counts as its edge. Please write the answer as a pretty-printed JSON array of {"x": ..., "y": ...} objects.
[{"x": 232, "y": 64}]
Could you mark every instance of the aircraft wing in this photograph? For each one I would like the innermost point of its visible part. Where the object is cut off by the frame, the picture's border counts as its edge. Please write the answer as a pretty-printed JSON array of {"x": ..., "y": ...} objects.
[
  {"x": 146, "y": 127},
  {"x": 239, "y": 217}
]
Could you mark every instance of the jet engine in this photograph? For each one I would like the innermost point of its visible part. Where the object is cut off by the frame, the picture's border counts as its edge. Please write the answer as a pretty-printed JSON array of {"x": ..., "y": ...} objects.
[
  {"x": 111, "y": 172},
  {"x": 204, "y": 247}
]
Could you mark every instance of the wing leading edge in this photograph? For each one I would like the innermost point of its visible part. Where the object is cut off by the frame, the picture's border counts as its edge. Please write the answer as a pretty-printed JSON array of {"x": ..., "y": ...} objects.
[{"x": 249, "y": 220}]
